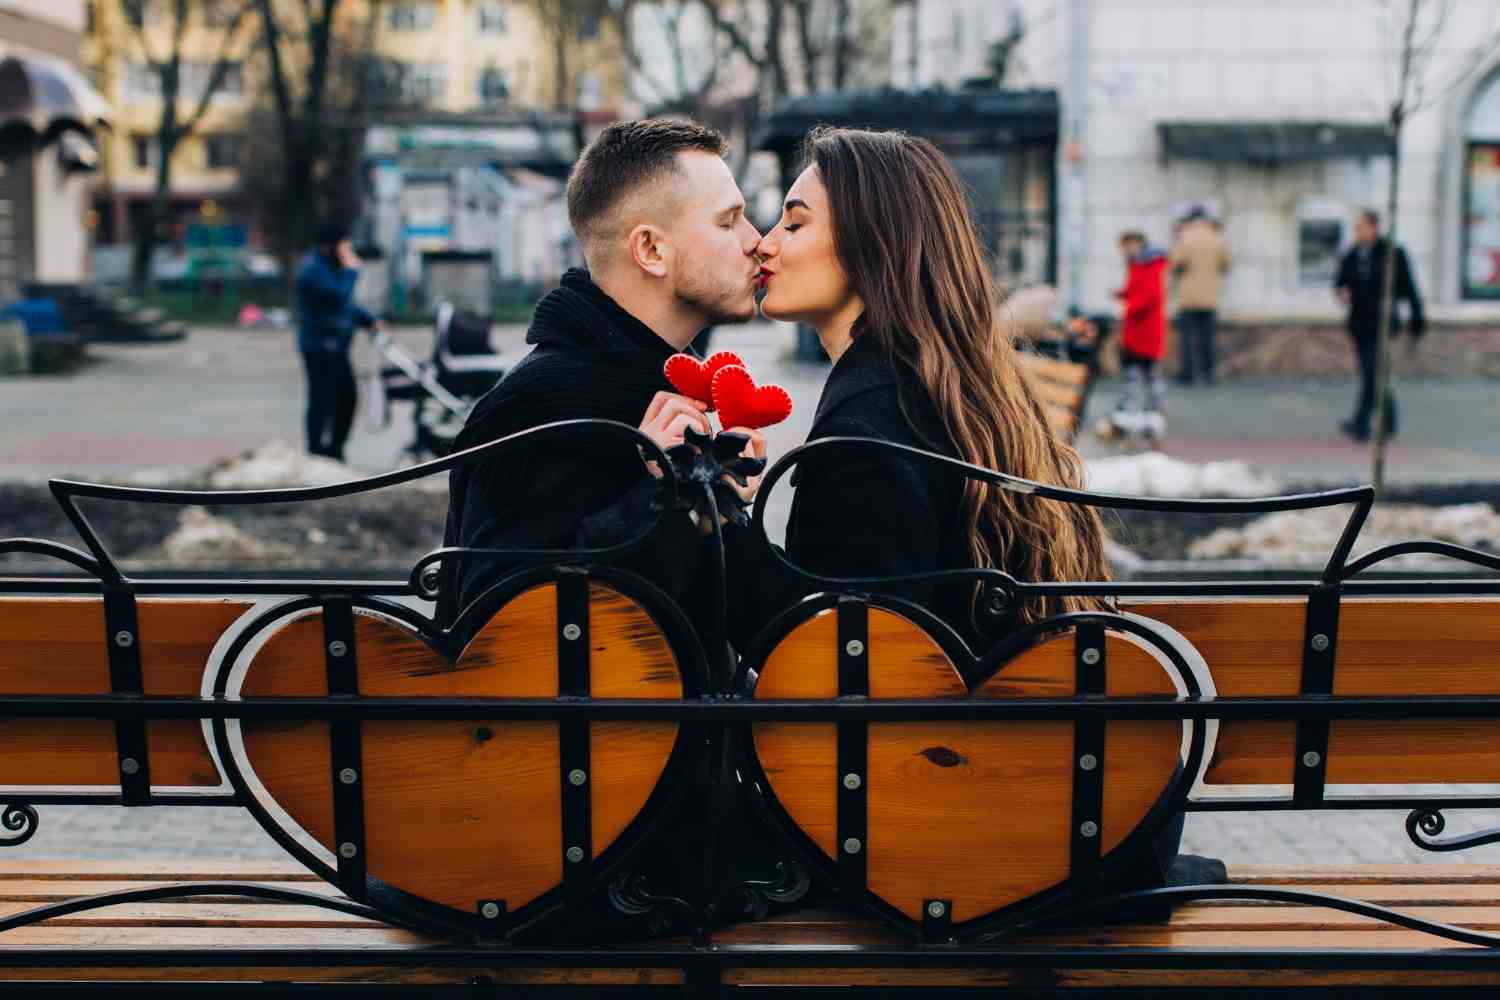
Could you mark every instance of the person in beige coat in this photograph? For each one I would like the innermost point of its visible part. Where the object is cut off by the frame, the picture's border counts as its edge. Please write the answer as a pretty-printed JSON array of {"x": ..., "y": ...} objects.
[{"x": 1197, "y": 264}]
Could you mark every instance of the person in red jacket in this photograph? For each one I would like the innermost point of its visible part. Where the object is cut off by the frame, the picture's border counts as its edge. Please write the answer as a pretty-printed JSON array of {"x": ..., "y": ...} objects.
[{"x": 1143, "y": 328}]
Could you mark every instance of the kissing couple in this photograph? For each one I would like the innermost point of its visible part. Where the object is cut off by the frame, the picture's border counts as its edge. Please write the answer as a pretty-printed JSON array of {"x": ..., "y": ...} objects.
[{"x": 877, "y": 250}]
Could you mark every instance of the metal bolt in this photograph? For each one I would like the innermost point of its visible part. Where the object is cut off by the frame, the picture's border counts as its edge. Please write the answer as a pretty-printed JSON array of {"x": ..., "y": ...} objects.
[
  {"x": 852, "y": 846},
  {"x": 1088, "y": 828},
  {"x": 130, "y": 765},
  {"x": 348, "y": 775},
  {"x": 852, "y": 781},
  {"x": 430, "y": 578},
  {"x": 571, "y": 632},
  {"x": 575, "y": 854},
  {"x": 124, "y": 638},
  {"x": 489, "y": 911},
  {"x": 1320, "y": 643},
  {"x": 936, "y": 908},
  {"x": 577, "y": 776},
  {"x": 854, "y": 647},
  {"x": 1091, "y": 656},
  {"x": 348, "y": 850},
  {"x": 337, "y": 648},
  {"x": 1311, "y": 759},
  {"x": 1088, "y": 762}
]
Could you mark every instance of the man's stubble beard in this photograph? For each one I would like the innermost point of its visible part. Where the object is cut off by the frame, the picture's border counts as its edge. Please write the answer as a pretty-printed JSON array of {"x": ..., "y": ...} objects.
[{"x": 719, "y": 306}]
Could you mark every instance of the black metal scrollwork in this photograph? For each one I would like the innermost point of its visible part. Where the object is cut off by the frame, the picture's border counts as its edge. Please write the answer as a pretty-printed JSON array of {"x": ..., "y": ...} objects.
[
  {"x": 19, "y": 822},
  {"x": 705, "y": 461},
  {"x": 754, "y": 898},
  {"x": 629, "y": 894},
  {"x": 1424, "y": 825}
]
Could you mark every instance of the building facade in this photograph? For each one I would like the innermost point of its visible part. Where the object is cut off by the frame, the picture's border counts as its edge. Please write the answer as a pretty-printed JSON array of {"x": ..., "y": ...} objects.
[
  {"x": 443, "y": 57},
  {"x": 1272, "y": 115}
]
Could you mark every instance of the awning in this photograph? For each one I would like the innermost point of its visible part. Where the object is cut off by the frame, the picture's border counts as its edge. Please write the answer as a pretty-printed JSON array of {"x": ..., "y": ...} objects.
[
  {"x": 48, "y": 96},
  {"x": 1268, "y": 143},
  {"x": 981, "y": 119}
]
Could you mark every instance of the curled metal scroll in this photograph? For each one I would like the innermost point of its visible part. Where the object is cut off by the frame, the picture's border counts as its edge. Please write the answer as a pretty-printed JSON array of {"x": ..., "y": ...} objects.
[
  {"x": 753, "y": 898},
  {"x": 19, "y": 821},
  {"x": 1423, "y": 826},
  {"x": 631, "y": 895}
]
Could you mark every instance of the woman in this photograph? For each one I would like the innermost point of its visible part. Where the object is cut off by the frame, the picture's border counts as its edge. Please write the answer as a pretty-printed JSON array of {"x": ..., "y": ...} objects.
[{"x": 877, "y": 251}]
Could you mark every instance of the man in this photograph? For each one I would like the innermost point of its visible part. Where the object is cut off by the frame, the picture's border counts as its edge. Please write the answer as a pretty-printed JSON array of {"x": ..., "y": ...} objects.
[
  {"x": 1197, "y": 262},
  {"x": 329, "y": 317},
  {"x": 662, "y": 227},
  {"x": 1361, "y": 286}
]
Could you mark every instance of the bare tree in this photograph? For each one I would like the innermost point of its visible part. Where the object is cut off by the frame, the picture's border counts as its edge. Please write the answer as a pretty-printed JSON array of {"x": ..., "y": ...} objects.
[
  {"x": 1416, "y": 28},
  {"x": 319, "y": 82},
  {"x": 738, "y": 21},
  {"x": 175, "y": 122},
  {"x": 677, "y": 30},
  {"x": 566, "y": 23}
]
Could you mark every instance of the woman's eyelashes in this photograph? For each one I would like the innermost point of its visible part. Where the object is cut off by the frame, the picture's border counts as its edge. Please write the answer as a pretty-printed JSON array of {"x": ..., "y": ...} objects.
[{"x": 791, "y": 227}]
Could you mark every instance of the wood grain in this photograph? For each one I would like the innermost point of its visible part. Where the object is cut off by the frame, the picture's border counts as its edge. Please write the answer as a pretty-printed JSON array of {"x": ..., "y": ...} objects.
[
  {"x": 457, "y": 812},
  {"x": 997, "y": 795},
  {"x": 1407, "y": 646}
]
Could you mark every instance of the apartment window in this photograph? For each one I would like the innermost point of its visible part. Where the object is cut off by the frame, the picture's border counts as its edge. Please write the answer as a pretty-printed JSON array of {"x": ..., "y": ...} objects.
[
  {"x": 424, "y": 83},
  {"x": 494, "y": 88},
  {"x": 143, "y": 151},
  {"x": 588, "y": 26},
  {"x": 590, "y": 91},
  {"x": 492, "y": 18},
  {"x": 141, "y": 82},
  {"x": 217, "y": 13},
  {"x": 223, "y": 151},
  {"x": 141, "y": 12},
  {"x": 410, "y": 16},
  {"x": 1320, "y": 238}
]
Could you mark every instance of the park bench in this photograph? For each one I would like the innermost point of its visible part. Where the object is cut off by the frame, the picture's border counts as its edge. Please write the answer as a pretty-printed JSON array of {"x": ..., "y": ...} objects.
[
  {"x": 457, "y": 816},
  {"x": 1063, "y": 388}
]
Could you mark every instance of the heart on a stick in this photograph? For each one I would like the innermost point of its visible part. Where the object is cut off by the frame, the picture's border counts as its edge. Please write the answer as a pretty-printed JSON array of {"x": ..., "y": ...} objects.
[
  {"x": 694, "y": 378},
  {"x": 742, "y": 403}
]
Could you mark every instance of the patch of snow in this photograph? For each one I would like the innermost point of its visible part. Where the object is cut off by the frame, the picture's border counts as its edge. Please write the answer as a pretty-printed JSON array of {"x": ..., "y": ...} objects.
[
  {"x": 1153, "y": 474},
  {"x": 203, "y": 539},
  {"x": 276, "y": 465},
  {"x": 1308, "y": 537}
]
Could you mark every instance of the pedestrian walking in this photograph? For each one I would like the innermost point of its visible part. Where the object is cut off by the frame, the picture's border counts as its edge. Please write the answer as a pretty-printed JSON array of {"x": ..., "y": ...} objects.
[
  {"x": 1197, "y": 263},
  {"x": 328, "y": 318},
  {"x": 1360, "y": 285}
]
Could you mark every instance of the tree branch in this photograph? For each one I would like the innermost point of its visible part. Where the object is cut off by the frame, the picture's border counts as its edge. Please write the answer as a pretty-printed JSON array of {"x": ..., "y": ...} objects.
[{"x": 220, "y": 70}]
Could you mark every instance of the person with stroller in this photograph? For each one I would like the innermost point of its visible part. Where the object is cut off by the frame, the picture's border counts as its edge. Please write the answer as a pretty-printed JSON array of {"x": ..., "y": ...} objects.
[{"x": 327, "y": 319}]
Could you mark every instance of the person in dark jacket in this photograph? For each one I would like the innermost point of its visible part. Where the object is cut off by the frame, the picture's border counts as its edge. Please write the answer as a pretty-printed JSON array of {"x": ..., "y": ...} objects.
[
  {"x": 1361, "y": 286},
  {"x": 662, "y": 226},
  {"x": 877, "y": 250},
  {"x": 328, "y": 318}
]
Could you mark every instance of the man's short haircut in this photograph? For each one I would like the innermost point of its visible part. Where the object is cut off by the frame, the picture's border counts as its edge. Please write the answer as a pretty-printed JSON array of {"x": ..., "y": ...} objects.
[
  {"x": 1132, "y": 236},
  {"x": 331, "y": 233},
  {"x": 1371, "y": 216},
  {"x": 621, "y": 160}
]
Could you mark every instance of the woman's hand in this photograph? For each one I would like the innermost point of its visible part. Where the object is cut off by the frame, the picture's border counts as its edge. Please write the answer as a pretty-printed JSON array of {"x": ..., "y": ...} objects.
[
  {"x": 668, "y": 416},
  {"x": 754, "y": 448}
]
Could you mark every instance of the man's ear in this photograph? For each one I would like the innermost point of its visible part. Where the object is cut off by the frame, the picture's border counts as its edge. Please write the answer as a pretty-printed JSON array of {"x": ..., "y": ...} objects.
[{"x": 648, "y": 248}]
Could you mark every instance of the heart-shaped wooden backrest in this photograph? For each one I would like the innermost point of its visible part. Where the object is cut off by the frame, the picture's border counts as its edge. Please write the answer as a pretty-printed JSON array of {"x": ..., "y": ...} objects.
[
  {"x": 976, "y": 813},
  {"x": 461, "y": 812}
]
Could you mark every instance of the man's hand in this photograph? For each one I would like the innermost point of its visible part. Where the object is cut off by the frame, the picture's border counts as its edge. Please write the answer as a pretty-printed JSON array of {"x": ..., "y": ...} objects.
[
  {"x": 347, "y": 257},
  {"x": 754, "y": 448},
  {"x": 1344, "y": 294},
  {"x": 668, "y": 416}
]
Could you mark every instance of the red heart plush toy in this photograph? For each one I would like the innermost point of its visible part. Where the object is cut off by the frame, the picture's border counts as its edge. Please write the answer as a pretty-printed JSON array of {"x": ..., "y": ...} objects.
[
  {"x": 742, "y": 403},
  {"x": 694, "y": 378}
]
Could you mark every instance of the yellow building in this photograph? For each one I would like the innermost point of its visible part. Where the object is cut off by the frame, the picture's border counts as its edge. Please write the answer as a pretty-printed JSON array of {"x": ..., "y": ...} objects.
[{"x": 446, "y": 56}]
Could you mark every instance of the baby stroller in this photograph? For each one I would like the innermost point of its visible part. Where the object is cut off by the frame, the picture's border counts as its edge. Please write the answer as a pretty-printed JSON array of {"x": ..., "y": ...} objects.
[{"x": 463, "y": 367}]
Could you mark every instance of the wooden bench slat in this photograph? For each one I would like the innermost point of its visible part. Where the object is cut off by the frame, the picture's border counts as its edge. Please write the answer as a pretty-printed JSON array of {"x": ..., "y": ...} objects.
[
  {"x": 199, "y": 912},
  {"x": 1100, "y": 978},
  {"x": 435, "y": 975},
  {"x": 1038, "y": 366}
]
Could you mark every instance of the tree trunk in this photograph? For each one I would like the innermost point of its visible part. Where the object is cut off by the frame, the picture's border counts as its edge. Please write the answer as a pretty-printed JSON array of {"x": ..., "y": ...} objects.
[{"x": 1387, "y": 315}]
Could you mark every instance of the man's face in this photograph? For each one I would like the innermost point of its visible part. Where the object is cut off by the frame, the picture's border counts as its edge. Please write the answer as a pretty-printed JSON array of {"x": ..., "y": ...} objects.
[
  {"x": 1364, "y": 230},
  {"x": 714, "y": 268},
  {"x": 1130, "y": 249}
]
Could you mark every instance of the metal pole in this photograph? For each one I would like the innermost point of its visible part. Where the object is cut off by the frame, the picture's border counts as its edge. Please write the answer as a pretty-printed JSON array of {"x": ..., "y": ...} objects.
[{"x": 1075, "y": 107}]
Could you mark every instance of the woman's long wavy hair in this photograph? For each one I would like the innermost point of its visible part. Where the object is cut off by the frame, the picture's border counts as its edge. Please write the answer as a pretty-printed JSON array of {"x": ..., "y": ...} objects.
[{"x": 906, "y": 240}]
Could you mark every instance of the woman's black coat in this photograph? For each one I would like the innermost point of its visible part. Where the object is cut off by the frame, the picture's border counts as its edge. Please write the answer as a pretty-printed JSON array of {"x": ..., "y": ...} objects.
[{"x": 867, "y": 514}]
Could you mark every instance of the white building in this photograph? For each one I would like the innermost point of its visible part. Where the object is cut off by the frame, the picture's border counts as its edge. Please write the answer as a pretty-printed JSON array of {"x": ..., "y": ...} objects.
[{"x": 1296, "y": 91}]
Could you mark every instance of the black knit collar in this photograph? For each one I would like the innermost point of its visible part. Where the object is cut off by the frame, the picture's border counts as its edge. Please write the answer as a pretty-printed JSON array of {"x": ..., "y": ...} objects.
[
  {"x": 580, "y": 314},
  {"x": 862, "y": 368}
]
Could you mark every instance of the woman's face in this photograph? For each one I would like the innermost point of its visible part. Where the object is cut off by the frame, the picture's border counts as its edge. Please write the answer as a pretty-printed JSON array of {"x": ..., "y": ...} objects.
[{"x": 800, "y": 270}]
